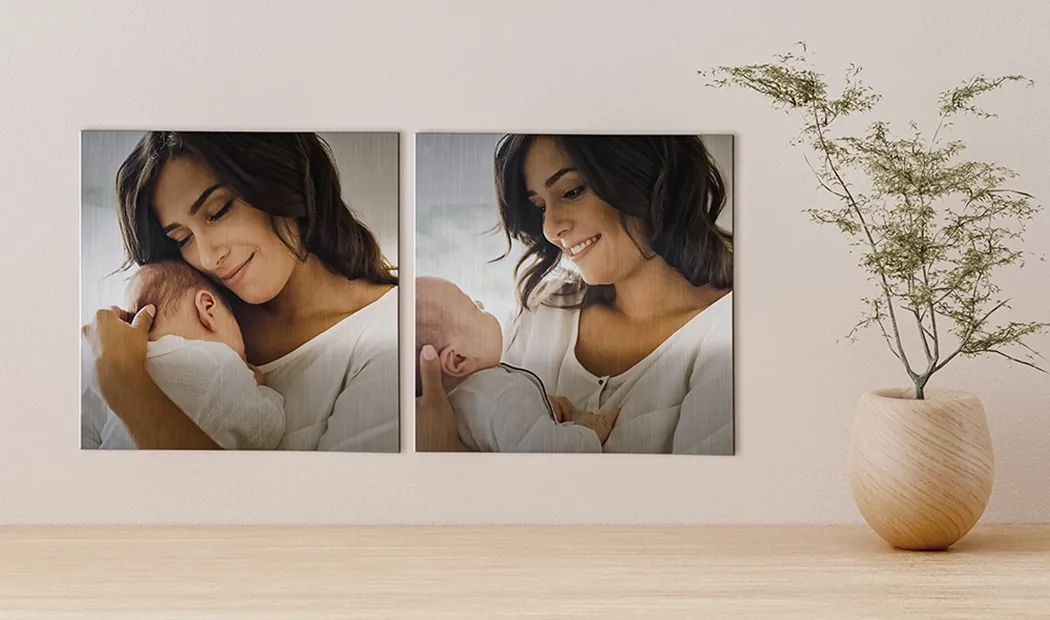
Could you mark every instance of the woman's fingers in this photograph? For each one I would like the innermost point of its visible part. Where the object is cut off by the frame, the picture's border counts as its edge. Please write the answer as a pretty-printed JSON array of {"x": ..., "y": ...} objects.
[
  {"x": 430, "y": 376},
  {"x": 144, "y": 317},
  {"x": 435, "y": 420},
  {"x": 118, "y": 342},
  {"x": 607, "y": 419},
  {"x": 90, "y": 332}
]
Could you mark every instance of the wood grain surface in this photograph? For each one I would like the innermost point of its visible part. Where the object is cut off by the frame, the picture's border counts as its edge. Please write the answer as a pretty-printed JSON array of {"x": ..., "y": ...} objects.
[
  {"x": 921, "y": 471},
  {"x": 494, "y": 572}
]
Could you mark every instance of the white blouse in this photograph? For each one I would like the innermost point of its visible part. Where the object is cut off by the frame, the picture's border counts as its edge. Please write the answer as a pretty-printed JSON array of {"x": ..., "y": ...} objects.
[
  {"x": 678, "y": 399},
  {"x": 210, "y": 383},
  {"x": 340, "y": 388}
]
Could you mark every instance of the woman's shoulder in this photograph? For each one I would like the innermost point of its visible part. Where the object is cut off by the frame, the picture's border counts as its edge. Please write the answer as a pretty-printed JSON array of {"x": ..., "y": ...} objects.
[
  {"x": 363, "y": 334},
  {"x": 710, "y": 333},
  {"x": 382, "y": 305},
  {"x": 722, "y": 316},
  {"x": 377, "y": 321}
]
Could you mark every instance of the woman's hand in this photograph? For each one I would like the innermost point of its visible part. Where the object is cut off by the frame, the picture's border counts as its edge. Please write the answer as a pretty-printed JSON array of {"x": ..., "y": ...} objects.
[
  {"x": 435, "y": 421},
  {"x": 562, "y": 408},
  {"x": 118, "y": 343},
  {"x": 601, "y": 423}
]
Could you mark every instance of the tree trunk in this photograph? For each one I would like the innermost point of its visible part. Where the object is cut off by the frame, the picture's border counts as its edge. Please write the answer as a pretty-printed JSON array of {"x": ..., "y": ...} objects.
[{"x": 920, "y": 387}]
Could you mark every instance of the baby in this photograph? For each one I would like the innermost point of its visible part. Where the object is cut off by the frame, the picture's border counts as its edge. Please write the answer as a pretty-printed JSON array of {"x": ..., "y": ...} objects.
[
  {"x": 498, "y": 408},
  {"x": 195, "y": 355}
]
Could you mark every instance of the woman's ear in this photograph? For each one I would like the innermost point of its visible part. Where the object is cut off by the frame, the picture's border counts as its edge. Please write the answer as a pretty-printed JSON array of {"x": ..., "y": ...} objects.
[
  {"x": 456, "y": 365},
  {"x": 206, "y": 305}
]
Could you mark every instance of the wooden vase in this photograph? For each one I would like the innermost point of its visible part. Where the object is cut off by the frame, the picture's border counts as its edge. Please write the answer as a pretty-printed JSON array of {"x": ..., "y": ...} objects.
[{"x": 921, "y": 471}]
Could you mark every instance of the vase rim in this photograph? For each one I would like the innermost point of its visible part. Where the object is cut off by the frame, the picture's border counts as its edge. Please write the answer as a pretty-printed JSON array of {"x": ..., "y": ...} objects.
[{"x": 930, "y": 393}]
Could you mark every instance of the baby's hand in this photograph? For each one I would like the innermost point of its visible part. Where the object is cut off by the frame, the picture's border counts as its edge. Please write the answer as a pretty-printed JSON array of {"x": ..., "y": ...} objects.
[
  {"x": 258, "y": 375},
  {"x": 562, "y": 408},
  {"x": 600, "y": 423}
]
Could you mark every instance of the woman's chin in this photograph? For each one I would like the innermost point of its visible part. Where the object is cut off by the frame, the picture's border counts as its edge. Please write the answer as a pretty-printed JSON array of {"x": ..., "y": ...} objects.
[{"x": 594, "y": 279}]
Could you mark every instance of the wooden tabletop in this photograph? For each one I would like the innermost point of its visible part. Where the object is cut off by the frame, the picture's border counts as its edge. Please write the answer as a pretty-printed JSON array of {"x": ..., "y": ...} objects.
[{"x": 516, "y": 572}]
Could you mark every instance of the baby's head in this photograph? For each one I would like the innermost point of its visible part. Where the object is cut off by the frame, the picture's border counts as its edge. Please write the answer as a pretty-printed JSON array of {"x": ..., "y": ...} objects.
[
  {"x": 188, "y": 304},
  {"x": 467, "y": 338}
]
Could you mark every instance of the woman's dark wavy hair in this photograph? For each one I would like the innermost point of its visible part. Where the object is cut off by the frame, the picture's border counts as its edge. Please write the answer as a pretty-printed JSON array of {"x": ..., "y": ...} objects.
[
  {"x": 671, "y": 183},
  {"x": 289, "y": 175}
]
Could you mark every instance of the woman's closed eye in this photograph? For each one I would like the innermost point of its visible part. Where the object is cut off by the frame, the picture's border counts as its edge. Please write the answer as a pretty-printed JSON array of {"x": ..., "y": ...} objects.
[
  {"x": 221, "y": 212},
  {"x": 213, "y": 218}
]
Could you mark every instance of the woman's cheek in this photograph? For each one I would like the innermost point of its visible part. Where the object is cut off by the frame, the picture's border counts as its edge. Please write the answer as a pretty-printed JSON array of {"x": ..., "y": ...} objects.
[{"x": 190, "y": 255}]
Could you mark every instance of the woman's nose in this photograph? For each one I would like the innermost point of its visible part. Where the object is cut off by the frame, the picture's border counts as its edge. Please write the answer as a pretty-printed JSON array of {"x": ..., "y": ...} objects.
[
  {"x": 212, "y": 255},
  {"x": 555, "y": 225}
]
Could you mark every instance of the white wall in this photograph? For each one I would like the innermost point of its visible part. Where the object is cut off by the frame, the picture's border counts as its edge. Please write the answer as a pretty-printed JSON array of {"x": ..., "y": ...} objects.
[{"x": 482, "y": 66}]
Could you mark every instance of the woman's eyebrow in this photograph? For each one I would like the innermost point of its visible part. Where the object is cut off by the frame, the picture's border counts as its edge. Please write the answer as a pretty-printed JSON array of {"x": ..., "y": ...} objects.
[
  {"x": 552, "y": 179},
  {"x": 203, "y": 198},
  {"x": 196, "y": 206}
]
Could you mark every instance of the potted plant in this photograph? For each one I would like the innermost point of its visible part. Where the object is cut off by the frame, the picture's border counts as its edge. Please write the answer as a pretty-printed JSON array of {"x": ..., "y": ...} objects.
[{"x": 932, "y": 228}]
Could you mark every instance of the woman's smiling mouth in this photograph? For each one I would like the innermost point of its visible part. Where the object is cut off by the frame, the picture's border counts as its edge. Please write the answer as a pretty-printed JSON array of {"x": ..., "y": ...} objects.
[
  {"x": 579, "y": 249},
  {"x": 237, "y": 274}
]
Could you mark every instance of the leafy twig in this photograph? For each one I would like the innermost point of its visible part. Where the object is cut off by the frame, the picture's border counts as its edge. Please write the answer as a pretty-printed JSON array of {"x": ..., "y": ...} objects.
[{"x": 933, "y": 229}]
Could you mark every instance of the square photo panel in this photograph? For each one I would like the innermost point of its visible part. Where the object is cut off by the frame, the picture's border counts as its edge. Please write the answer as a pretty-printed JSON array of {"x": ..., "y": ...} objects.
[
  {"x": 574, "y": 293},
  {"x": 239, "y": 291}
]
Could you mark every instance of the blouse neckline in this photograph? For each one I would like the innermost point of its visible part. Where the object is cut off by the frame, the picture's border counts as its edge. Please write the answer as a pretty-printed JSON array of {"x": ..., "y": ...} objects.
[{"x": 571, "y": 358}]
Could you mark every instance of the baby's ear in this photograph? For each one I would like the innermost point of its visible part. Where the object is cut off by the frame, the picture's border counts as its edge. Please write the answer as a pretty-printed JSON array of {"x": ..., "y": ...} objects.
[
  {"x": 206, "y": 305},
  {"x": 454, "y": 364}
]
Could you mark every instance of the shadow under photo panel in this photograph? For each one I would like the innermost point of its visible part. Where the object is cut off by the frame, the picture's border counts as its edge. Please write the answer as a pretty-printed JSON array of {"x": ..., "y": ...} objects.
[
  {"x": 268, "y": 260},
  {"x": 577, "y": 292}
]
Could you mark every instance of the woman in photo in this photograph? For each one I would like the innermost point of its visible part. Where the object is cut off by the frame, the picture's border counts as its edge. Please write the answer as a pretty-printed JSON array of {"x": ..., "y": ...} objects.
[
  {"x": 262, "y": 215},
  {"x": 641, "y": 319}
]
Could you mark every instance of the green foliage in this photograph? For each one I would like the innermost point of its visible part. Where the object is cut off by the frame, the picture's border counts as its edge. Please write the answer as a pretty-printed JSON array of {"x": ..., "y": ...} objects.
[{"x": 932, "y": 226}]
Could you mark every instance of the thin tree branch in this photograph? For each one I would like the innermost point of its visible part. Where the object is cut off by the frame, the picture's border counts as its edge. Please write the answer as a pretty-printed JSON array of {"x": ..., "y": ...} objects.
[
  {"x": 821, "y": 181},
  {"x": 937, "y": 132},
  {"x": 969, "y": 332},
  {"x": 911, "y": 293},
  {"x": 771, "y": 88},
  {"x": 923, "y": 334},
  {"x": 933, "y": 323},
  {"x": 889, "y": 341},
  {"x": 1032, "y": 351},
  {"x": 871, "y": 241},
  {"x": 1014, "y": 359}
]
